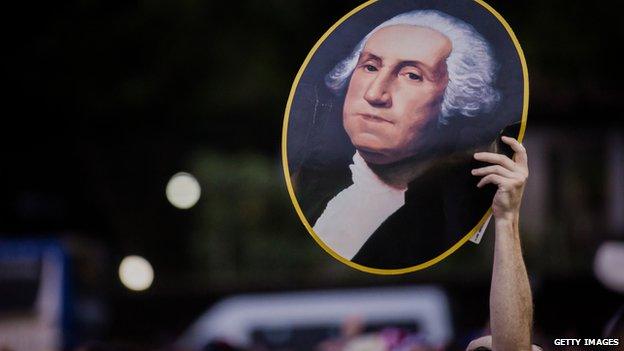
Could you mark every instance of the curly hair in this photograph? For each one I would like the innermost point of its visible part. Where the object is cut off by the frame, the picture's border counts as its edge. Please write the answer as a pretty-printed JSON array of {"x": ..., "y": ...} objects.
[{"x": 471, "y": 65}]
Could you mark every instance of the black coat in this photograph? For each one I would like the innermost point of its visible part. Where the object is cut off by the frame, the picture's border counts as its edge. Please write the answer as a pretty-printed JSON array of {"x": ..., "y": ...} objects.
[{"x": 441, "y": 206}]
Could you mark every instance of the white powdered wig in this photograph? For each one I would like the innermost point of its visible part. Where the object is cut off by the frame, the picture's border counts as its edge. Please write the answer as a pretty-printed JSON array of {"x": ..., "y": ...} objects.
[{"x": 471, "y": 66}]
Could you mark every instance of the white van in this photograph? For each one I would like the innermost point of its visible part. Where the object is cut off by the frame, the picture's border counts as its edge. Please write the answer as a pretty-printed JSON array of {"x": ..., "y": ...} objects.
[{"x": 301, "y": 320}]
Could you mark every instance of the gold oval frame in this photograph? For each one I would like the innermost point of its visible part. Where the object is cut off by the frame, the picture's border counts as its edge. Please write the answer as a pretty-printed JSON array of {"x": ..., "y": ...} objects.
[{"x": 291, "y": 192}]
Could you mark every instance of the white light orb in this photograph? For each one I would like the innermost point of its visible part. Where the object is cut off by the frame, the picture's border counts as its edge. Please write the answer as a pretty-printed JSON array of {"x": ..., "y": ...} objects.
[
  {"x": 136, "y": 273},
  {"x": 183, "y": 190},
  {"x": 609, "y": 265}
]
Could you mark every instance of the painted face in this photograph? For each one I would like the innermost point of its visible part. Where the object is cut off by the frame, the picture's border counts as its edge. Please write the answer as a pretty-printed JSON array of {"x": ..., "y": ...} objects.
[{"x": 395, "y": 92}]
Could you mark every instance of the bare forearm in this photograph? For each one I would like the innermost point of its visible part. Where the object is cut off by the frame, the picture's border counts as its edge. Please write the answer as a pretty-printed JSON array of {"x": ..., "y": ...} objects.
[{"x": 511, "y": 306}]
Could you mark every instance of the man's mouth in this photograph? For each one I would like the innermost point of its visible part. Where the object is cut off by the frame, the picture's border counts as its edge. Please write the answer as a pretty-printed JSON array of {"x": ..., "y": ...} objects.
[{"x": 374, "y": 118}]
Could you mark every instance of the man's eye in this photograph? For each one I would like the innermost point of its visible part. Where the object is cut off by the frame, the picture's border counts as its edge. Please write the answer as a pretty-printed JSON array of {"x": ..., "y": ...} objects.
[
  {"x": 370, "y": 68},
  {"x": 414, "y": 76}
]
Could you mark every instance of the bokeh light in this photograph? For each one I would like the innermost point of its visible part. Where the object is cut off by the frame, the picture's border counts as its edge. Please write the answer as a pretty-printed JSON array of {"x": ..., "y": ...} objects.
[
  {"x": 136, "y": 273},
  {"x": 183, "y": 190},
  {"x": 608, "y": 264}
]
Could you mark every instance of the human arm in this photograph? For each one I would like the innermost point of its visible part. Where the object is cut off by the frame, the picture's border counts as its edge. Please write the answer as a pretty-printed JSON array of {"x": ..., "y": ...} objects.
[{"x": 511, "y": 307}]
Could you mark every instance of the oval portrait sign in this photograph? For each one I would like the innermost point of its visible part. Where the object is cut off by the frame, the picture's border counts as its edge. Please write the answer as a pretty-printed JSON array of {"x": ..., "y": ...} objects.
[{"x": 382, "y": 122}]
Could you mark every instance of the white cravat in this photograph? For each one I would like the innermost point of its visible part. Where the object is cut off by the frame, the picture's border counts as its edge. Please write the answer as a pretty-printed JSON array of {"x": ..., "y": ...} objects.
[{"x": 353, "y": 215}]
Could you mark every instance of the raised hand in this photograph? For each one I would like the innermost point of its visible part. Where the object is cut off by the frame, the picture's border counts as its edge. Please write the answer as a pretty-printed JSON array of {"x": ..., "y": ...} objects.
[{"x": 510, "y": 175}]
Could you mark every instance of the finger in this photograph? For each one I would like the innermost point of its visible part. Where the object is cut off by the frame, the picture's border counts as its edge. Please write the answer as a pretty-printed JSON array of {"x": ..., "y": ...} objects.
[
  {"x": 496, "y": 159},
  {"x": 520, "y": 151},
  {"x": 496, "y": 169},
  {"x": 491, "y": 179}
]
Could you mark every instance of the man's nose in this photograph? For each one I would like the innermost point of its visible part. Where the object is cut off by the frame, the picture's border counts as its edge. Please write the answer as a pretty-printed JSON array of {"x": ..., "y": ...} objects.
[{"x": 377, "y": 93}]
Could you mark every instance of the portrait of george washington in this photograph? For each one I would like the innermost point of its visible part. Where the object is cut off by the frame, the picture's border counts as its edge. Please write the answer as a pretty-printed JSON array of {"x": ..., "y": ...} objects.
[{"x": 382, "y": 173}]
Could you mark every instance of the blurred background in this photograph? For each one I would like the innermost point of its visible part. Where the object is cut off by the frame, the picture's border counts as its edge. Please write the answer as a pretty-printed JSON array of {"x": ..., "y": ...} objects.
[{"x": 142, "y": 185}]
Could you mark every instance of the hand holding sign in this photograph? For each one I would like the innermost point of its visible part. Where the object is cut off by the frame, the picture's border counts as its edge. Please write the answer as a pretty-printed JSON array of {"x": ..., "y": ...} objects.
[{"x": 510, "y": 175}]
